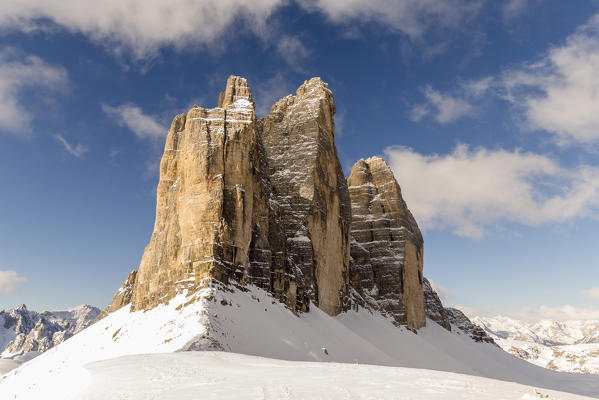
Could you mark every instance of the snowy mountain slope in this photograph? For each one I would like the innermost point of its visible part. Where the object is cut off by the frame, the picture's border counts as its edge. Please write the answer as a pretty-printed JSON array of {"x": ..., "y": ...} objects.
[
  {"x": 570, "y": 346},
  {"x": 218, "y": 375},
  {"x": 544, "y": 332},
  {"x": 23, "y": 331},
  {"x": 254, "y": 323}
]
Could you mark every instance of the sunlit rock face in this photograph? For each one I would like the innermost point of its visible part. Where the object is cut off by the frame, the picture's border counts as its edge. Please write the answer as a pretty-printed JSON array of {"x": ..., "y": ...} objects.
[
  {"x": 214, "y": 214},
  {"x": 265, "y": 202},
  {"x": 387, "y": 246},
  {"x": 224, "y": 213}
]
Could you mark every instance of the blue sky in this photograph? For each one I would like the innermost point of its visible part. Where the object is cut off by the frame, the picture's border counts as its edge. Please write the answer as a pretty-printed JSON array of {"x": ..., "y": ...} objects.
[{"x": 488, "y": 112}]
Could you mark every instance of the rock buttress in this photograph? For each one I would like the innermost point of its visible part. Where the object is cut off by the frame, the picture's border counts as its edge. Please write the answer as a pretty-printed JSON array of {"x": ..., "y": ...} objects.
[
  {"x": 214, "y": 218},
  {"x": 387, "y": 246},
  {"x": 311, "y": 193}
]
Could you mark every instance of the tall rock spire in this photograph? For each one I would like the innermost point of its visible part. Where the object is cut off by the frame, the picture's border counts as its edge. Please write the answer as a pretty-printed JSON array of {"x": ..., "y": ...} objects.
[
  {"x": 213, "y": 218},
  {"x": 265, "y": 202},
  {"x": 311, "y": 192},
  {"x": 387, "y": 246}
]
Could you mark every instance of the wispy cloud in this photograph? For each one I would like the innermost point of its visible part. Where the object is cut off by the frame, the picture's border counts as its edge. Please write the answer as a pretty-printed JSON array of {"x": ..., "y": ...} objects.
[
  {"x": 443, "y": 293},
  {"x": 19, "y": 72},
  {"x": 443, "y": 107},
  {"x": 556, "y": 94},
  {"x": 411, "y": 17},
  {"x": 77, "y": 150},
  {"x": 515, "y": 8},
  {"x": 559, "y": 93},
  {"x": 142, "y": 27},
  {"x": 470, "y": 190},
  {"x": 270, "y": 91},
  {"x": 9, "y": 281},
  {"x": 292, "y": 50},
  {"x": 468, "y": 311},
  {"x": 129, "y": 115},
  {"x": 593, "y": 293},
  {"x": 562, "y": 313}
]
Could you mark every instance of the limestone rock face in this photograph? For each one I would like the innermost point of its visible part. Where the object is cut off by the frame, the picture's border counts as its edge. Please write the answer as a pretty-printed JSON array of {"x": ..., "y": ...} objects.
[
  {"x": 387, "y": 246},
  {"x": 214, "y": 218},
  {"x": 311, "y": 194},
  {"x": 433, "y": 306},
  {"x": 265, "y": 202}
]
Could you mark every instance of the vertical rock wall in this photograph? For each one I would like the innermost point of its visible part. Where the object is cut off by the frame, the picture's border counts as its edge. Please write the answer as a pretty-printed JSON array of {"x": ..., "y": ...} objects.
[
  {"x": 212, "y": 212},
  {"x": 387, "y": 246},
  {"x": 311, "y": 193},
  {"x": 265, "y": 202}
]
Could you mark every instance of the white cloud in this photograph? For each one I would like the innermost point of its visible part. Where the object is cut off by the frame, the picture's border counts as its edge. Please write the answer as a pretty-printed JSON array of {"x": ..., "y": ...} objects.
[
  {"x": 515, "y": 8},
  {"x": 563, "y": 313},
  {"x": 478, "y": 87},
  {"x": 444, "y": 293},
  {"x": 141, "y": 27},
  {"x": 468, "y": 311},
  {"x": 270, "y": 91},
  {"x": 412, "y": 17},
  {"x": 593, "y": 293},
  {"x": 9, "y": 281},
  {"x": 443, "y": 107},
  {"x": 469, "y": 190},
  {"x": 131, "y": 116},
  {"x": 292, "y": 50},
  {"x": 560, "y": 93},
  {"x": 76, "y": 151},
  {"x": 19, "y": 72}
]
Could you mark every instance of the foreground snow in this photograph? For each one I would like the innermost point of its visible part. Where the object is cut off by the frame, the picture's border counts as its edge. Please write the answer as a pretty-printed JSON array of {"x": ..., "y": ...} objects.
[
  {"x": 219, "y": 375},
  {"x": 253, "y": 323}
]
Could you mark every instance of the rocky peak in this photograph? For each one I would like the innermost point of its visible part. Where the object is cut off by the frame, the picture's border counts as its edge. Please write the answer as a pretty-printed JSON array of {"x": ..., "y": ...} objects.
[
  {"x": 23, "y": 331},
  {"x": 387, "y": 246},
  {"x": 237, "y": 94},
  {"x": 212, "y": 200},
  {"x": 265, "y": 202},
  {"x": 311, "y": 193}
]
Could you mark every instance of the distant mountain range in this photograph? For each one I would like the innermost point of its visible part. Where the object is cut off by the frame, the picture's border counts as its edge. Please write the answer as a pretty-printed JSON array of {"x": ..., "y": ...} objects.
[
  {"x": 25, "y": 333},
  {"x": 571, "y": 346}
]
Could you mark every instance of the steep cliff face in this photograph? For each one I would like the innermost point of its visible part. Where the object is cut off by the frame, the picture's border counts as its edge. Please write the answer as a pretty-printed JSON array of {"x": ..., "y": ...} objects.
[
  {"x": 311, "y": 193},
  {"x": 433, "y": 306},
  {"x": 213, "y": 216},
  {"x": 387, "y": 246},
  {"x": 265, "y": 202}
]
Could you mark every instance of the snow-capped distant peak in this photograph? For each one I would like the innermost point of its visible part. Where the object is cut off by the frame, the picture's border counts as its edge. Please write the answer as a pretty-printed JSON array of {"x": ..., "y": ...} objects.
[{"x": 570, "y": 346}]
